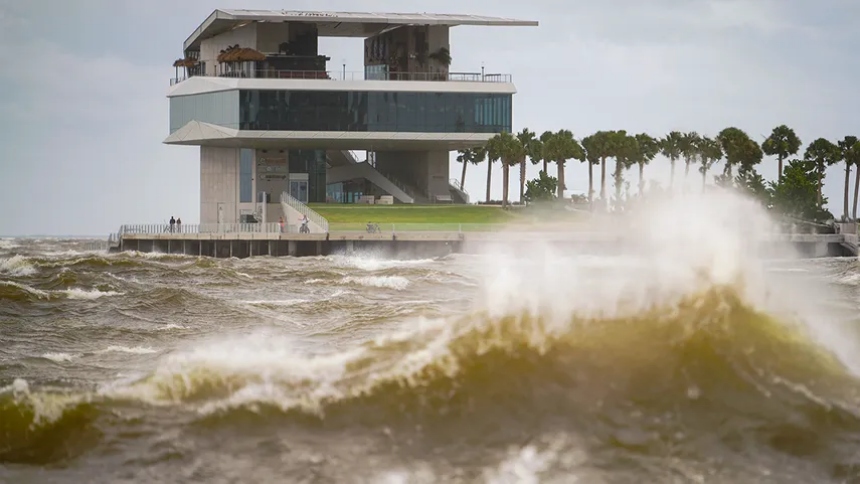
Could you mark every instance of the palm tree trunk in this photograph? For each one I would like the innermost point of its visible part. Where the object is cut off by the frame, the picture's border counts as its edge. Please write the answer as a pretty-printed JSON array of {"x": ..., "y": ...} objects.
[
  {"x": 641, "y": 178},
  {"x": 603, "y": 179},
  {"x": 489, "y": 178},
  {"x": 590, "y": 183},
  {"x": 779, "y": 174},
  {"x": 506, "y": 174},
  {"x": 820, "y": 176},
  {"x": 704, "y": 179},
  {"x": 671, "y": 173},
  {"x": 856, "y": 189},
  {"x": 463, "y": 175},
  {"x": 545, "y": 167},
  {"x": 522, "y": 180},
  {"x": 686, "y": 168},
  {"x": 847, "y": 191},
  {"x": 618, "y": 179},
  {"x": 560, "y": 165}
]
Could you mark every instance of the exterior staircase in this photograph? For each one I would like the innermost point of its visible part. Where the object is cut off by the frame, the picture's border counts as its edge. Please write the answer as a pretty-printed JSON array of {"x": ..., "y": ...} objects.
[
  {"x": 337, "y": 174},
  {"x": 341, "y": 158},
  {"x": 458, "y": 193},
  {"x": 294, "y": 210}
]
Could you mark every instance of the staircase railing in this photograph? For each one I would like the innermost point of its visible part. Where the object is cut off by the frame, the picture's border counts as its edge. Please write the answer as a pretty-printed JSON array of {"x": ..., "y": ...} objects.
[
  {"x": 303, "y": 209},
  {"x": 350, "y": 156},
  {"x": 456, "y": 184},
  {"x": 399, "y": 184}
]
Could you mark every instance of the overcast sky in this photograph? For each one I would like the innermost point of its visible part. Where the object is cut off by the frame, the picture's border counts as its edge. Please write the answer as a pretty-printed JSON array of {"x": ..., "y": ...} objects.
[{"x": 83, "y": 84}]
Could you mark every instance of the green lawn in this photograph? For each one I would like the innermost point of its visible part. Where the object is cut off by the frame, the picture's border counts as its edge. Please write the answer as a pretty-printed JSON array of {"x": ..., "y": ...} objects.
[
  {"x": 413, "y": 214},
  {"x": 441, "y": 218}
]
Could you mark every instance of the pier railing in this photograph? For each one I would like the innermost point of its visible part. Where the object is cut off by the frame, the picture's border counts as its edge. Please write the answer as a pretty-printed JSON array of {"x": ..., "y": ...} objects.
[
  {"x": 362, "y": 227},
  {"x": 434, "y": 227},
  {"x": 233, "y": 228}
]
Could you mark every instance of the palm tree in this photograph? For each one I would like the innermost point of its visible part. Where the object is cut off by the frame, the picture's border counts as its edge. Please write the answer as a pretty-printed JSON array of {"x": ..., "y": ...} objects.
[
  {"x": 467, "y": 156},
  {"x": 528, "y": 141},
  {"x": 483, "y": 155},
  {"x": 822, "y": 153},
  {"x": 687, "y": 145},
  {"x": 543, "y": 140},
  {"x": 603, "y": 145},
  {"x": 507, "y": 148},
  {"x": 740, "y": 150},
  {"x": 854, "y": 156},
  {"x": 670, "y": 146},
  {"x": 710, "y": 152},
  {"x": 844, "y": 155},
  {"x": 560, "y": 147},
  {"x": 625, "y": 149},
  {"x": 782, "y": 143},
  {"x": 648, "y": 148},
  {"x": 592, "y": 157}
]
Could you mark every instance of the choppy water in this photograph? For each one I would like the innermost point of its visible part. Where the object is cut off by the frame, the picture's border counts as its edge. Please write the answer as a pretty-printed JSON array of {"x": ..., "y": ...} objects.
[{"x": 479, "y": 368}]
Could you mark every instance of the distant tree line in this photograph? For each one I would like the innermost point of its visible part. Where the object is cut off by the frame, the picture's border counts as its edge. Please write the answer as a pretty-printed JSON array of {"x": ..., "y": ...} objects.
[{"x": 797, "y": 191}]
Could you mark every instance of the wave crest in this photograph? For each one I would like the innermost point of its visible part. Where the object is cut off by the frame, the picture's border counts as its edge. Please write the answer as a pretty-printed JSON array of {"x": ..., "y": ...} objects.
[{"x": 37, "y": 428}]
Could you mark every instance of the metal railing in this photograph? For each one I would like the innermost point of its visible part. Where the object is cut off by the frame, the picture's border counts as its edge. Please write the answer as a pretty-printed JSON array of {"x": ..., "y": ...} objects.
[
  {"x": 230, "y": 228},
  {"x": 456, "y": 184},
  {"x": 303, "y": 209},
  {"x": 356, "y": 76},
  {"x": 395, "y": 228}
]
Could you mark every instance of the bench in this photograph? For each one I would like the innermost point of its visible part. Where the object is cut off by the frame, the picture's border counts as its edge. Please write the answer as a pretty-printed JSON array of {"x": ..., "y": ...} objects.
[{"x": 443, "y": 199}]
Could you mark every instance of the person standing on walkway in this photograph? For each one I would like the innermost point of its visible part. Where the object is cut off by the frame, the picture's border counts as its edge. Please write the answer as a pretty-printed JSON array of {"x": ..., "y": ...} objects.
[
  {"x": 179, "y": 225},
  {"x": 172, "y": 223}
]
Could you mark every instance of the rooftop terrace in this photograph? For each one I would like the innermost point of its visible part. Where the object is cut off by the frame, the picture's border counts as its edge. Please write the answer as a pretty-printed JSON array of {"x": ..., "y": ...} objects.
[{"x": 263, "y": 73}]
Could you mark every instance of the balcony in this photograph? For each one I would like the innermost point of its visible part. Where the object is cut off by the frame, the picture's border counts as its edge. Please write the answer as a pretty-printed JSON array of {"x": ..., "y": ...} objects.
[{"x": 254, "y": 73}]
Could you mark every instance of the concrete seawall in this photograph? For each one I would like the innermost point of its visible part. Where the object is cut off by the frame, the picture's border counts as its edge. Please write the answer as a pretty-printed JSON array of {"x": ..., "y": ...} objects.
[{"x": 434, "y": 244}]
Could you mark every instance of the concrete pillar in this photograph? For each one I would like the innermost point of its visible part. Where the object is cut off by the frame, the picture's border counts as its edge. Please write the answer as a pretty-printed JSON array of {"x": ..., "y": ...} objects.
[
  {"x": 350, "y": 246},
  {"x": 319, "y": 248},
  {"x": 292, "y": 248}
]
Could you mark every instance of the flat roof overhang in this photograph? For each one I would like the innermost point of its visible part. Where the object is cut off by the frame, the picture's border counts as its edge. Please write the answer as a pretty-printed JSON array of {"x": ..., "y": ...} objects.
[
  {"x": 339, "y": 24},
  {"x": 203, "y": 84},
  {"x": 196, "y": 133}
]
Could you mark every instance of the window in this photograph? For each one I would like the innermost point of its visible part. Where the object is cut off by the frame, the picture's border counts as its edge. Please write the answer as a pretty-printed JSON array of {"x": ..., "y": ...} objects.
[
  {"x": 220, "y": 108},
  {"x": 362, "y": 111},
  {"x": 246, "y": 175}
]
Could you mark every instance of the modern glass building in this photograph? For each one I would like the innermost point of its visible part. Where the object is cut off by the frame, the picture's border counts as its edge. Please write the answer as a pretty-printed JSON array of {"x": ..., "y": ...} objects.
[{"x": 253, "y": 92}]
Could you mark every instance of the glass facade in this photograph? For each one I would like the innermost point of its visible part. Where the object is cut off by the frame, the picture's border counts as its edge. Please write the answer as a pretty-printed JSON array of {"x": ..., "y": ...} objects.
[
  {"x": 246, "y": 175},
  {"x": 312, "y": 162},
  {"x": 220, "y": 108},
  {"x": 424, "y": 112},
  {"x": 363, "y": 111}
]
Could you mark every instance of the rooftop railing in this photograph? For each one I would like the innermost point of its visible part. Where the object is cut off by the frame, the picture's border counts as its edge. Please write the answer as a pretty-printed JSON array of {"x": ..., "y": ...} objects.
[{"x": 356, "y": 76}]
